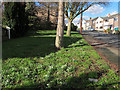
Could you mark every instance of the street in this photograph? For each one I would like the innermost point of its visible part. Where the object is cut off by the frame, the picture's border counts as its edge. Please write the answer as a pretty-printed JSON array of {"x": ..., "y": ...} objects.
[{"x": 106, "y": 44}]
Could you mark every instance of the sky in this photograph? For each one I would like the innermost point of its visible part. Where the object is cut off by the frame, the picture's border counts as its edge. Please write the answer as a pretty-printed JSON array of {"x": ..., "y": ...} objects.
[{"x": 98, "y": 11}]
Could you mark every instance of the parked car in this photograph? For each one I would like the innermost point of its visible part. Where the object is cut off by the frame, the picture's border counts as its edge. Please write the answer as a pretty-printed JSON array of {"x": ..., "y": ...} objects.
[
  {"x": 116, "y": 28},
  {"x": 115, "y": 31}
]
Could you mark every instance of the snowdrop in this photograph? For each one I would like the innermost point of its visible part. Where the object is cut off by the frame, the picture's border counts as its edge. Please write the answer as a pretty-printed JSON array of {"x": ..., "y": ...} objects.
[
  {"x": 42, "y": 58},
  {"x": 94, "y": 80}
]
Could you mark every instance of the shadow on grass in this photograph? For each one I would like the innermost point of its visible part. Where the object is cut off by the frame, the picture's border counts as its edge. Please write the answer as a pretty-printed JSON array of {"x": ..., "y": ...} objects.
[
  {"x": 32, "y": 46},
  {"x": 53, "y": 33},
  {"x": 73, "y": 82}
]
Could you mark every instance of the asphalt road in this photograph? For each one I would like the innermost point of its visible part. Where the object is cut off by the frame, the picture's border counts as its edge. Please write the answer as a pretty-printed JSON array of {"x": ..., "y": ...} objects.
[
  {"x": 111, "y": 39},
  {"x": 107, "y": 44}
]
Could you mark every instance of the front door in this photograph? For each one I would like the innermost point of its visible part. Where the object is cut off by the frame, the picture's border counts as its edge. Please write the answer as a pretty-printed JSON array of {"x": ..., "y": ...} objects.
[{"x": 110, "y": 26}]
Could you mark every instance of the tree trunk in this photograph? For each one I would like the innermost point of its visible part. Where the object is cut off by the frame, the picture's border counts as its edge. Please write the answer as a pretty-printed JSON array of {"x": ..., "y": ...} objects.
[
  {"x": 81, "y": 24},
  {"x": 60, "y": 26},
  {"x": 69, "y": 28}
]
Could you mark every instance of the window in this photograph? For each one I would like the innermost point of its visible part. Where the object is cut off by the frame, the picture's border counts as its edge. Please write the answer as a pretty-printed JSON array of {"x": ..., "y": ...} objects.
[
  {"x": 96, "y": 27},
  {"x": 101, "y": 27},
  {"x": 106, "y": 20},
  {"x": 115, "y": 19},
  {"x": 87, "y": 23}
]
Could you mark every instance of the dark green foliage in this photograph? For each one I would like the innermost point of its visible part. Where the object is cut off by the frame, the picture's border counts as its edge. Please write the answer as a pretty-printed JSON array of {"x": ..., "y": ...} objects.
[
  {"x": 73, "y": 27},
  {"x": 16, "y": 18},
  {"x": 65, "y": 27},
  {"x": 108, "y": 30}
]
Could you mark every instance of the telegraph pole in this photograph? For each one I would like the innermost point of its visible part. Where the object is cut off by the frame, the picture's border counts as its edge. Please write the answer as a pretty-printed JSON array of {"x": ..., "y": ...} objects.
[{"x": 81, "y": 23}]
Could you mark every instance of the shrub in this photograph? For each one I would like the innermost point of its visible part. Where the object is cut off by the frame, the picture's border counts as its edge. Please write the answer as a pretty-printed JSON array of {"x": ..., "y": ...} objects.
[
  {"x": 65, "y": 27},
  {"x": 108, "y": 30},
  {"x": 73, "y": 27}
]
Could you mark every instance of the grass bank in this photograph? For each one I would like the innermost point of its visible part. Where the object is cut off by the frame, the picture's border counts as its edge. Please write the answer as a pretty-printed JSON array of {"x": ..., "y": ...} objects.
[{"x": 32, "y": 61}]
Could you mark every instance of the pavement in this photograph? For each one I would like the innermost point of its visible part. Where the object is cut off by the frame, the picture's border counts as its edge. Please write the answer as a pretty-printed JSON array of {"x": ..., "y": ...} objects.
[{"x": 105, "y": 44}]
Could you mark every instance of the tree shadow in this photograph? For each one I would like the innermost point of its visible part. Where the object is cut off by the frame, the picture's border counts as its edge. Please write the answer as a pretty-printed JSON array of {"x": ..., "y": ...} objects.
[
  {"x": 74, "y": 82},
  {"x": 53, "y": 33},
  {"x": 33, "y": 46},
  {"x": 98, "y": 44},
  {"x": 79, "y": 45}
]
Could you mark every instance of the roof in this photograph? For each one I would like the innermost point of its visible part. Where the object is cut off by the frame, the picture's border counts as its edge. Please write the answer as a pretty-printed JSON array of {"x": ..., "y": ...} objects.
[
  {"x": 91, "y": 19},
  {"x": 112, "y": 16},
  {"x": 94, "y": 18}
]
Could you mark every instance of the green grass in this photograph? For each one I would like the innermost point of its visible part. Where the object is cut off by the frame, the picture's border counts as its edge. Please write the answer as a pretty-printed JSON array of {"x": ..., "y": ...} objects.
[
  {"x": 32, "y": 61},
  {"x": 38, "y": 44}
]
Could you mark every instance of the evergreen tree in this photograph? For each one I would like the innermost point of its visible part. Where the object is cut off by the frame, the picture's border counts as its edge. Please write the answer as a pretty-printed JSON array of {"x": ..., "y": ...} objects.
[{"x": 16, "y": 18}]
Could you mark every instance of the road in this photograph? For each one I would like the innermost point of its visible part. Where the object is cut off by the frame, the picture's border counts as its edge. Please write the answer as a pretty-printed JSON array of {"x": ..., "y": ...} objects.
[{"x": 106, "y": 44}]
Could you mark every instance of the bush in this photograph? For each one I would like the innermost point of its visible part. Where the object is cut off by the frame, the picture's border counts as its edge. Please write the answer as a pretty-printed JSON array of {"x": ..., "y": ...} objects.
[
  {"x": 108, "y": 30},
  {"x": 73, "y": 27},
  {"x": 65, "y": 27}
]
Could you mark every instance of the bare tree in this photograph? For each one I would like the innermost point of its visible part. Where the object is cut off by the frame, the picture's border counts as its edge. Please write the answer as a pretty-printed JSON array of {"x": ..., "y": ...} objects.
[
  {"x": 60, "y": 26},
  {"x": 49, "y": 6},
  {"x": 75, "y": 9}
]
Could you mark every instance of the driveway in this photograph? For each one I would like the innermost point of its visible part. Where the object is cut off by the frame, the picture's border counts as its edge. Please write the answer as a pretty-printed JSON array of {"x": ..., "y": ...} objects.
[{"x": 106, "y": 44}]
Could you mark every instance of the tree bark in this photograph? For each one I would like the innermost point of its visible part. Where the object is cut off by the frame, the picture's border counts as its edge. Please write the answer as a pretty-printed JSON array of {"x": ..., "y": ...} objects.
[
  {"x": 60, "y": 26},
  {"x": 69, "y": 28}
]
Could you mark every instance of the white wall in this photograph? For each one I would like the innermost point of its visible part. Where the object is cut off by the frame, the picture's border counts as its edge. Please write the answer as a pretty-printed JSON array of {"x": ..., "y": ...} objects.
[
  {"x": 83, "y": 24},
  {"x": 99, "y": 24}
]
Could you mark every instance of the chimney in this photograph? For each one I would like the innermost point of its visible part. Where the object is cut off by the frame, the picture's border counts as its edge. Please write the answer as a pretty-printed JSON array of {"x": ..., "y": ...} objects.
[{"x": 108, "y": 15}]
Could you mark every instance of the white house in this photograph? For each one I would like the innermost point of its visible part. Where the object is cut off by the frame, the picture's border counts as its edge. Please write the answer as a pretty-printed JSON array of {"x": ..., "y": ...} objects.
[
  {"x": 83, "y": 24},
  {"x": 99, "y": 24},
  {"x": 103, "y": 23}
]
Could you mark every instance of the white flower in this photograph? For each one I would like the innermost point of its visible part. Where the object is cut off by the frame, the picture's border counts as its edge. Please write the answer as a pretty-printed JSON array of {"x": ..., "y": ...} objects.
[
  {"x": 63, "y": 66},
  {"x": 46, "y": 76},
  {"x": 81, "y": 41},
  {"x": 91, "y": 79},
  {"x": 48, "y": 84},
  {"x": 50, "y": 67},
  {"x": 42, "y": 58},
  {"x": 60, "y": 82},
  {"x": 7, "y": 81}
]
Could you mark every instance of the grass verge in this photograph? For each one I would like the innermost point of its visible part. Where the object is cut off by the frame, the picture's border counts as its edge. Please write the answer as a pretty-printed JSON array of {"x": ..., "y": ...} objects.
[{"x": 32, "y": 62}]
